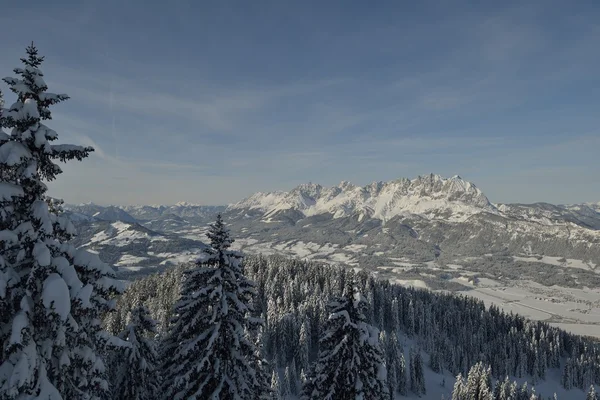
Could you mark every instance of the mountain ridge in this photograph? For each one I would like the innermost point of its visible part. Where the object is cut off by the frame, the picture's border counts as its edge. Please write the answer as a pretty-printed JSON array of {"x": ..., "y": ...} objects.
[{"x": 432, "y": 196}]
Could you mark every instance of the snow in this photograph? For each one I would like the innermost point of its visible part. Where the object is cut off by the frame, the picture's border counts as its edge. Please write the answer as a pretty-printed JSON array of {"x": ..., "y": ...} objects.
[
  {"x": 575, "y": 310},
  {"x": 41, "y": 253},
  {"x": 12, "y": 153},
  {"x": 84, "y": 295},
  {"x": 59, "y": 148},
  {"x": 417, "y": 283},
  {"x": 8, "y": 237},
  {"x": 41, "y": 213},
  {"x": 356, "y": 248},
  {"x": 98, "y": 237},
  {"x": 30, "y": 109},
  {"x": 559, "y": 261},
  {"x": 20, "y": 322},
  {"x": 127, "y": 259},
  {"x": 56, "y": 295},
  {"x": 68, "y": 273}
]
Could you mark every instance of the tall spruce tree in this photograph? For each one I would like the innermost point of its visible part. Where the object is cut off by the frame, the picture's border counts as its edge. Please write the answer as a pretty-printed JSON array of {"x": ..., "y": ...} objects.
[
  {"x": 351, "y": 363},
  {"x": 211, "y": 349},
  {"x": 275, "y": 386},
  {"x": 417, "y": 373},
  {"x": 53, "y": 296},
  {"x": 479, "y": 382},
  {"x": 460, "y": 389},
  {"x": 591, "y": 394},
  {"x": 137, "y": 369}
]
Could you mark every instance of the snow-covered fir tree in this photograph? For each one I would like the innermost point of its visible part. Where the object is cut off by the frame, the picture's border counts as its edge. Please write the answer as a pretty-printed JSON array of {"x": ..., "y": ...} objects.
[
  {"x": 53, "y": 295},
  {"x": 137, "y": 373},
  {"x": 591, "y": 394},
  {"x": 479, "y": 383},
  {"x": 417, "y": 373},
  {"x": 275, "y": 386},
  {"x": 396, "y": 368},
  {"x": 460, "y": 389},
  {"x": 210, "y": 347},
  {"x": 351, "y": 363}
]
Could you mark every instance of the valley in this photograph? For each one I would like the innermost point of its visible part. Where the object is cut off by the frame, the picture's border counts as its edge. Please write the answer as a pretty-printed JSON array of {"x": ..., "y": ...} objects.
[{"x": 537, "y": 260}]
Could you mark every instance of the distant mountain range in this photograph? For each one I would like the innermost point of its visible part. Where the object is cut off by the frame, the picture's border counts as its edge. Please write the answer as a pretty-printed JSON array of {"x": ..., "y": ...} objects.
[{"x": 405, "y": 222}]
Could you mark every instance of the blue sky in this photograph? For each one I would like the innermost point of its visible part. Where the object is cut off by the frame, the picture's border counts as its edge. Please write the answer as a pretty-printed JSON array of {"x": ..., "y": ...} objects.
[{"x": 208, "y": 102}]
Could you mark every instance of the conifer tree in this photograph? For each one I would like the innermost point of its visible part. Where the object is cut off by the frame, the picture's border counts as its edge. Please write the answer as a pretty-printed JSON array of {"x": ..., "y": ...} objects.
[
  {"x": 479, "y": 383},
  {"x": 460, "y": 390},
  {"x": 350, "y": 364},
  {"x": 567, "y": 375},
  {"x": 591, "y": 394},
  {"x": 417, "y": 373},
  {"x": 401, "y": 374},
  {"x": 303, "y": 353},
  {"x": 137, "y": 369},
  {"x": 53, "y": 296},
  {"x": 291, "y": 375},
  {"x": 285, "y": 384},
  {"x": 396, "y": 368},
  {"x": 211, "y": 349},
  {"x": 275, "y": 386}
]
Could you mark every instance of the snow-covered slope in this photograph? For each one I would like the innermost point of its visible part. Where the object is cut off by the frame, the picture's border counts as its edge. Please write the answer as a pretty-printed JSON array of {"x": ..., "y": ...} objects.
[
  {"x": 108, "y": 213},
  {"x": 430, "y": 196},
  {"x": 181, "y": 209},
  {"x": 134, "y": 248}
]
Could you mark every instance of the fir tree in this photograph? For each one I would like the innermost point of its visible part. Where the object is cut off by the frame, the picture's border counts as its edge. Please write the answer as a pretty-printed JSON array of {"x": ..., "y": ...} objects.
[
  {"x": 212, "y": 353},
  {"x": 402, "y": 382},
  {"x": 275, "y": 386},
  {"x": 567, "y": 375},
  {"x": 417, "y": 375},
  {"x": 591, "y": 394},
  {"x": 479, "y": 383},
  {"x": 291, "y": 376},
  {"x": 350, "y": 363},
  {"x": 303, "y": 353},
  {"x": 137, "y": 366},
  {"x": 460, "y": 390},
  {"x": 53, "y": 296}
]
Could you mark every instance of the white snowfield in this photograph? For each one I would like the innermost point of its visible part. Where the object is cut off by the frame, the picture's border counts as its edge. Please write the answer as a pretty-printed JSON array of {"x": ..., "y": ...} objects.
[{"x": 575, "y": 310}]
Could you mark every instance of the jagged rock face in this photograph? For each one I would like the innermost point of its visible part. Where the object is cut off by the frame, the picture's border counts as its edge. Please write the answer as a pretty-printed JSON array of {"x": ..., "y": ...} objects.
[{"x": 431, "y": 196}]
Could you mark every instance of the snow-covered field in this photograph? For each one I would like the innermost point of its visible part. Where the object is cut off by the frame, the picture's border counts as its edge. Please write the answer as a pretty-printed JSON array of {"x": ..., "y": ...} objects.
[{"x": 575, "y": 310}]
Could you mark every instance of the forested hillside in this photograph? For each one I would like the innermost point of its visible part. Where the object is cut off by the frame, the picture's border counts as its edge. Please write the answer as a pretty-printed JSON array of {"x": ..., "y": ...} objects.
[{"x": 452, "y": 333}]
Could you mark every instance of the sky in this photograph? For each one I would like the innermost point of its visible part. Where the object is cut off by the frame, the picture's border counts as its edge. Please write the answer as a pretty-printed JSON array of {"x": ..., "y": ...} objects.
[{"x": 210, "y": 101}]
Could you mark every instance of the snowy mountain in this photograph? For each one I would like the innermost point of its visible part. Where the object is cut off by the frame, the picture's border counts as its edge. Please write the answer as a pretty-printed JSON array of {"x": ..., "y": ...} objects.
[
  {"x": 133, "y": 248},
  {"x": 431, "y": 196},
  {"x": 181, "y": 210},
  {"x": 424, "y": 219},
  {"x": 109, "y": 213}
]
